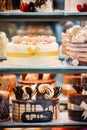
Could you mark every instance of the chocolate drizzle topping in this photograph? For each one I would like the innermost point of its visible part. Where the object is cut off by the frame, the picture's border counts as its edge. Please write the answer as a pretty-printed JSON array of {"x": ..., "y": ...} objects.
[{"x": 38, "y": 3}]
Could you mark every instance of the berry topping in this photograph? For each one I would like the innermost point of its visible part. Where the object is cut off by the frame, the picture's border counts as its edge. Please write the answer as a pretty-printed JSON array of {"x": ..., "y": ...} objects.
[
  {"x": 82, "y": 8},
  {"x": 25, "y": 7}
]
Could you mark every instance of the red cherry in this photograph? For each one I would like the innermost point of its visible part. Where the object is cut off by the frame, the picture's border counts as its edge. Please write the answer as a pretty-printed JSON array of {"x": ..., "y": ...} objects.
[
  {"x": 79, "y": 7},
  {"x": 25, "y": 7},
  {"x": 85, "y": 7}
]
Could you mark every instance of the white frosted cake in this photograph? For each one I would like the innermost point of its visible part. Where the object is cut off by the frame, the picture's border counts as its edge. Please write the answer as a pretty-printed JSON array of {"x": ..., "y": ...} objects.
[
  {"x": 3, "y": 44},
  {"x": 76, "y": 5},
  {"x": 36, "y": 6},
  {"x": 33, "y": 51}
]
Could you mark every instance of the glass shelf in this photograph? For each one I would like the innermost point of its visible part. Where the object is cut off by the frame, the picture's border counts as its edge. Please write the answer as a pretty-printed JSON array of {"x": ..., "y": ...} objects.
[
  {"x": 54, "y": 69},
  {"x": 60, "y": 122},
  {"x": 16, "y": 15}
]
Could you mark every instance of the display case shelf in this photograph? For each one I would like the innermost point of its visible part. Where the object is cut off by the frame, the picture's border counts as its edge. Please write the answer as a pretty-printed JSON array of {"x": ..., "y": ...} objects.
[
  {"x": 62, "y": 121},
  {"x": 16, "y": 15},
  {"x": 55, "y": 69}
]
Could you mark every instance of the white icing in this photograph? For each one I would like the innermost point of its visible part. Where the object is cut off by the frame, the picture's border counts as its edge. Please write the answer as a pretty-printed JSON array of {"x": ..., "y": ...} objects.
[
  {"x": 34, "y": 59},
  {"x": 84, "y": 92},
  {"x": 47, "y": 7},
  {"x": 84, "y": 106},
  {"x": 3, "y": 44}
]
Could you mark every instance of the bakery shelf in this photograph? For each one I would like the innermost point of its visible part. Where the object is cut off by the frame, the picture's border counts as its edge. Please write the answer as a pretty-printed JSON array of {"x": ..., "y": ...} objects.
[
  {"x": 62, "y": 121},
  {"x": 55, "y": 69},
  {"x": 16, "y": 15}
]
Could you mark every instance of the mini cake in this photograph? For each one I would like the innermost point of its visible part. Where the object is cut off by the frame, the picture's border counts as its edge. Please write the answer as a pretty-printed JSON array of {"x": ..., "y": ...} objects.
[
  {"x": 4, "y": 106},
  {"x": 77, "y": 48},
  {"x": 36, "y": 6},
  {"x": 3, "y": 45},
  {"x": 76, "y": 5},
  {"x": 77, "y": 104},
  {"x": 32, "y": 50},
  {"x": 7, "y": 82},
  {"x": 37, "y": 96},
  {"x": 68, "y": 81}
]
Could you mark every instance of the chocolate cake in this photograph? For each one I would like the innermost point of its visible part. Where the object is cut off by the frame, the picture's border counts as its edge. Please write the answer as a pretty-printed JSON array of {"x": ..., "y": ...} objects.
[
  {"x": 4, "y": 106},
  {"x": 36, "y": 99},
  {"x": 77, "y": 105}
]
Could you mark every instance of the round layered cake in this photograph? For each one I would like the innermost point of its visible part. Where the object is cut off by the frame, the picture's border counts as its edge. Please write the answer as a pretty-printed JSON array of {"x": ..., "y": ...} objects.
[
  {"x": 3, "y": 45},
  {"x": 77, "y": 48},
  {"x": 36, "y": 98},
  {"x": 68, "y": 34},
  {"x": 32, "y": 51},
  {"x": 77, "y": 105}
]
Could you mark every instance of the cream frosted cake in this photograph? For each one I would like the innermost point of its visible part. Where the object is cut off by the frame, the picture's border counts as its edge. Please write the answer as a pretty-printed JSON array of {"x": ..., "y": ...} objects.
[
  {"x": 32, "y": 50},
  {"x": 77, "y": 48},
  {"x": 76, "y": 5},
  {"x": 36, "y": 6},
  {"x": 36, "y": 97},
  {"x": 3, "y": 45}
]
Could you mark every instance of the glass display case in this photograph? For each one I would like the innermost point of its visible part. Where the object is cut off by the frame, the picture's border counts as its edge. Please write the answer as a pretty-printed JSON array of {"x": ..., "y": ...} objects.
[{"x": 59, "y": 16}]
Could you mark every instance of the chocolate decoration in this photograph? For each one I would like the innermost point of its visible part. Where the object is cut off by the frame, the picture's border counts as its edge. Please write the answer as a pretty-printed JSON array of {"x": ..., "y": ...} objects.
[
  {"x": 18, "y": 92},
  {"x": 57, "y": 92},
  {"x": 29, "y": 91},
  {"x": 38, "y": 3},
  {"x": 78, "y": 89}
]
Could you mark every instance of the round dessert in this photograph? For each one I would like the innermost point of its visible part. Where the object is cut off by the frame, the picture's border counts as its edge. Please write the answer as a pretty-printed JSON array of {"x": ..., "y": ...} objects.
[
  {"x": 7, "y": 82},
  {"x": 3, "y": 45},
  {"x": 36, "y": 6},
  {"x": 68, "y": 34},
  {"x": 32, "y": 51},
  {"x": 38, "y": 95},
  {"x": 77, "y": 48},
  {"x": 77, "y": 105},
  {"x": 4, "y": 106}
]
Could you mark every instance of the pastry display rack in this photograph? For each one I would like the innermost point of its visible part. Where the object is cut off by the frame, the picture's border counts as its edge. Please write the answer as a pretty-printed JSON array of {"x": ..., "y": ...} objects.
[
  {"x": 63, "y": 120},
  {"x": 16, "y": 15}
]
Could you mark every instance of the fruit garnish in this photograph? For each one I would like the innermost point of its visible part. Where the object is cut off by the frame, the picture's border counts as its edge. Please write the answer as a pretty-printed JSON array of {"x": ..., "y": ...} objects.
[
  {"x": 85, "y": 7},
  {"x": 82, "y": 8},
  {"x": 25, "y": 7}
]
